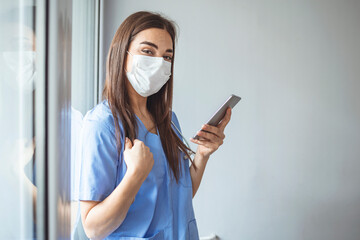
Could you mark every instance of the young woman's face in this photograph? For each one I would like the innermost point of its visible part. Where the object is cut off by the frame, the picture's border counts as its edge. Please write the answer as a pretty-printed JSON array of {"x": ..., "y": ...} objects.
[{"x": 153, "y": 42}]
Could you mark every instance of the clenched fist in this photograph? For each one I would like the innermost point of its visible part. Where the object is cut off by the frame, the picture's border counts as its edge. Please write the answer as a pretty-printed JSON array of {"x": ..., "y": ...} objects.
[{"x": 138, "y": 158}]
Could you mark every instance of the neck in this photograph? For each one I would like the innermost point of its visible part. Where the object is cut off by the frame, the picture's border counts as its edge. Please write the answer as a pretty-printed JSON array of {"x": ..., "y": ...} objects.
[{"x": 137, "y": 102}]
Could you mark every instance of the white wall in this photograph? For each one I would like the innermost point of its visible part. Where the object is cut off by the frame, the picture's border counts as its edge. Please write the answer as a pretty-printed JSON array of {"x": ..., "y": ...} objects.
[{"x": 289, "y": 167}]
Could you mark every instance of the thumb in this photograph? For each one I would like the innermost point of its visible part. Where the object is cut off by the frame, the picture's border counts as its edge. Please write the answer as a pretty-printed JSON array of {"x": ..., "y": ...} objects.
[{"x": 128, "y": 144}]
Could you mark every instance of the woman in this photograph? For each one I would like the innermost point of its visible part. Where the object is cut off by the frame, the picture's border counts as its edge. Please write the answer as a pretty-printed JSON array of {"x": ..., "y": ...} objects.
[{"x": 135, "y": 177}]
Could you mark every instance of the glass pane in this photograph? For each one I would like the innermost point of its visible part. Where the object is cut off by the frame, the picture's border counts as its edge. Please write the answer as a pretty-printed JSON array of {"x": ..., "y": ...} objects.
[
  {"x": 17, "y": 114},
  {"x": 82, "y": 85}
]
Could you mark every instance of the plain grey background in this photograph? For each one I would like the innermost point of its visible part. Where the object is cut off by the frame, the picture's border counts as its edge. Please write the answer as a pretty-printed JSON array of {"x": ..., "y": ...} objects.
[{"x": 289, "y": 167}]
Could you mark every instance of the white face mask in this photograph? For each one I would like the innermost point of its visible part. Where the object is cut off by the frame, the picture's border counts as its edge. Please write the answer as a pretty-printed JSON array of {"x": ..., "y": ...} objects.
[
  {"x": 148, "y": 74},
  {"x": 22, "y": 65}
]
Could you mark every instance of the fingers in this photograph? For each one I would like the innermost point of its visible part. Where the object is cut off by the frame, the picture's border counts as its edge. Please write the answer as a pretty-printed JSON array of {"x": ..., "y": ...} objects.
[
  {"x": 225, "y": 120},
  {"x": 142, "y": 145},
  {"x": 214, "y": 130},
  {"x": 128, "y": 144},
  {"x": 206, "y": 143},
  {"x": 210, "y": 136}
]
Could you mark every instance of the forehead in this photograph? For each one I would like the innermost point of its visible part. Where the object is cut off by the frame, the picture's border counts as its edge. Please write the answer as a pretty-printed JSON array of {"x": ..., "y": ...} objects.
[
  {"x": 160, "y": 37},
  {"x": 16, "y": 36}
]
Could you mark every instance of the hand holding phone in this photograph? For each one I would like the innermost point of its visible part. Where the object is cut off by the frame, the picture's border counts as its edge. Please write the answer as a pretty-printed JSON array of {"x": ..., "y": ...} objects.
[{"x": 220, "y": 113}]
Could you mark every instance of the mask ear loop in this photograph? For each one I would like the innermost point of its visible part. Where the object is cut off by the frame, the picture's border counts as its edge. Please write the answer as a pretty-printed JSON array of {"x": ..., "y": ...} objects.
[
  {"x": 132, "y": 56},
  {"x": 184, "y": 140}
]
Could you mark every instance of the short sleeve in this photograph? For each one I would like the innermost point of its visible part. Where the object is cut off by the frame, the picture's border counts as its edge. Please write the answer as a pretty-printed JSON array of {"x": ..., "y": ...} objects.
[
  {"x": 99, "y": 160},
  {"x": 175, "y": 120}
]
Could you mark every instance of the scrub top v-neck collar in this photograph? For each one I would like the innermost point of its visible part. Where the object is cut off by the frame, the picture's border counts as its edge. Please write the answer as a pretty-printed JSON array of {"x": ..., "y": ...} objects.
[{"x": 146, "y": 130}]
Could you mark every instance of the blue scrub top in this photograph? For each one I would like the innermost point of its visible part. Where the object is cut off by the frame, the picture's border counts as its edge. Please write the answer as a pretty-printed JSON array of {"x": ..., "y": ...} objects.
[{"x": 162, "y": 208}]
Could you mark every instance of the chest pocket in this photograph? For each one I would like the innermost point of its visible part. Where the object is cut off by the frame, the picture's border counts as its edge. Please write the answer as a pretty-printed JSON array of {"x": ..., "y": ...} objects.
[{"x": 157, "y": 236}]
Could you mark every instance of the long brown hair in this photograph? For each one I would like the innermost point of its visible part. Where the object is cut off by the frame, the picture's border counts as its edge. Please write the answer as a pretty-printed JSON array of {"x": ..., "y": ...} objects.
[{"x": 159, "y": 104}]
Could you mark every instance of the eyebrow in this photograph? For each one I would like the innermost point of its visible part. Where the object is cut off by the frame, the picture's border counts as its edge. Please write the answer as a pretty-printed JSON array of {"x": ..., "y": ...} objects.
[{"x": 155, "y": 46}]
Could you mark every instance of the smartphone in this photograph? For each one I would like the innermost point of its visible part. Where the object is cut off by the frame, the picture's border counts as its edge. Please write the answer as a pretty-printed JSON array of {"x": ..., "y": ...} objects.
[{"x": 220, "y": 113}]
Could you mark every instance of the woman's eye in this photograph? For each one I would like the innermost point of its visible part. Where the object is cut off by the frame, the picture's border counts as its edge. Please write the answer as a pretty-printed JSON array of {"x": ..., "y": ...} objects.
[
  {"x": 146, "y": 51},
  {"x": 168, "y": 58}
]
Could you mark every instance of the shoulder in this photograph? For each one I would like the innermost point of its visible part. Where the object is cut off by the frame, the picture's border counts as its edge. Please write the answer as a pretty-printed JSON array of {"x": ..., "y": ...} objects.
[
  {"x": 175, "y": 120},
  {"x": 100, "y": 118}
]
